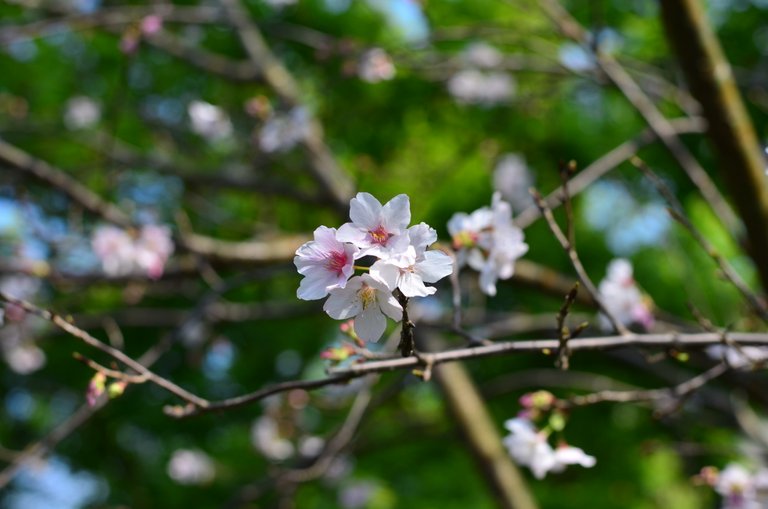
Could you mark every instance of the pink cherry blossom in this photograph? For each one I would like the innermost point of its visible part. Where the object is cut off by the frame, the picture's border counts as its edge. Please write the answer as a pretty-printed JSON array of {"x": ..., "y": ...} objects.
[
  {"x": 375, "y": 66},
  {"x": 115, "y": 248},
  {"x": 325, "y": 264},
  {"x": 152, "y": 249},
  {"x": 377, "y": 230},
  {"x": 368, "y": 300}
]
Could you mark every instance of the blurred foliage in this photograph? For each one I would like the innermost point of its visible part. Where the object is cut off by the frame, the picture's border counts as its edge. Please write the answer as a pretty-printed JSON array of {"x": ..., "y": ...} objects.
[{"x": 407, "y": 135}]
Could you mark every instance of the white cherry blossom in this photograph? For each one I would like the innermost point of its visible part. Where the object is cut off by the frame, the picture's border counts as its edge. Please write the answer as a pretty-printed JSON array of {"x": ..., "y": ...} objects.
[
  {"x": 408, "y": 271},
  {"x": 123, "y": 253},
  {"x": 529, "y": 447},
  {"x": 622, "y": 297},
  {"x": 377, "y": 230},
  {"x": 568, "y": 455},
  {"x": 209, "y": 121},
  {"x": 325, "y": 264},
  {"x": 736, "y": 485},
  {"x": 376, "y": 65},
  {"x": 489, "y": 242},
  {"x": 367, "y": 300}
]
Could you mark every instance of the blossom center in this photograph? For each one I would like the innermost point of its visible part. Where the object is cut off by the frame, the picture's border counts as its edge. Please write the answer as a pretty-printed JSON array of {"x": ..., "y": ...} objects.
[
  {"x": 464, "y": 238},
  {"x": 380, "y": 235},
  {"x": 336, "y": 262},
  {"x": 367, "y": 296}
]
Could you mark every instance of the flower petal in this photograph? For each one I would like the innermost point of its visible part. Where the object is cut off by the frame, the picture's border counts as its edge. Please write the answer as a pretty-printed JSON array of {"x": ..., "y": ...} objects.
[
  {"x": 436, "y": 266},
  {"x": 412, "y": 286},
  {"x": 343, "y": 303},
  {"x": 365, "y": 211},
  {"x": 396, "y": 214},
  {"x": 370, "y": 324}
]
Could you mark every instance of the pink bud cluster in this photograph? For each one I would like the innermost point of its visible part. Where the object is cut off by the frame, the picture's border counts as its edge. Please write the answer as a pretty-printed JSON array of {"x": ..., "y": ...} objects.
[
  {"x": 125, "y": 252},
  {"x": 402, "y": 262}
]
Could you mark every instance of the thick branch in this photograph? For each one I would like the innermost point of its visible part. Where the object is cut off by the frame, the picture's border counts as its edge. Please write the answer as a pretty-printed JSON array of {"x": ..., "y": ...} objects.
[{"x": 730, "y": 129}]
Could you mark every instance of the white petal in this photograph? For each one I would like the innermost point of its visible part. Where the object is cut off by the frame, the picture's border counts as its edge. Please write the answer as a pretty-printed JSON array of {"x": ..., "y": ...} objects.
[
  {"x": 343, "y": 303},
  {"x": 475, "y": 259},
  {"x": 365, "y": 210},
  {"x": 436, "y": 266},
  {"x": 315, "y": 286},
  {"x": 457, "y": 223},
  {"x": 385, "y": 272},
  {"x": 370, "y": 324},
  {"x": 412, "y": 286},
  {"x": 574, "y": 456},
  {"x": 542, "y": 459},
  {"x": 390, "y": 306},
  {"x": 350, "y": 232},
  {"x": 397, "y": 213},
  {"x": 422, "y": 236},
  {"x": 488, "y": 280},
  {"x": 326, "y": 239}
]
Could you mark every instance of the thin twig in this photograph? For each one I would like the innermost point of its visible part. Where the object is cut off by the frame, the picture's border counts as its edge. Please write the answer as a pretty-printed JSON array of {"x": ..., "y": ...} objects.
[
  {"x": 678, "y": 213},
  {"x": 577, "y": 265}
]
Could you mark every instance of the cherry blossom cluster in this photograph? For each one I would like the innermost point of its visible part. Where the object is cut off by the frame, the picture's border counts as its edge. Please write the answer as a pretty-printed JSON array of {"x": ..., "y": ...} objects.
[
  {"x": 125, "y": 252},
  {"x": 401, "y": 261},
  {"x": 376, "y": 65},
  {"x": 530, "y": 447},
  {"x": 623, "y": 298},
  {"x": 488, "y": 241},
  {"x": 740, "y": 488}
]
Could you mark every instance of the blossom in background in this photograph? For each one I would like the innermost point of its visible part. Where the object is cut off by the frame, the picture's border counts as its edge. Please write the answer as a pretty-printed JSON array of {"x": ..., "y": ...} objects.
[
  {"x": 481, "y": 55},
  {"x": 265, "y": 437},
  {"x": 326, "y": 263},
  {"x": 513, "y": 179},
  {"x": 18, "y": 348},
  {"x": 377, "y": 230},
  {"x": 367, "y": 300},
  {"x": 149, "y": 25},
  {"x": 529, "y": 447},
  {"x": 623, "y": 298},
  {"x": 410, "y": 269},
  {"x": 737, "y": 487},
  {"x": 742, "y": 357},
  {"x": 209, "y": 121},
  {"x": 123, "y": 253},
  {"x": 488, "y": 241},
  {"x": 152, "y": 249},
  {"x": 190, "y": 467},
  {"x": 375, "y": 65},
  {"x": 81, "y": 112},
  {"x": 473, "y": 86},
  {"x": 283, "y": 131}
]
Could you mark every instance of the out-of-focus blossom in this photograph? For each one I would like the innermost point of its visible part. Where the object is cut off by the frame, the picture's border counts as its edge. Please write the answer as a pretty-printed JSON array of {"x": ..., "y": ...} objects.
[
  {"x": 209, "y": 121},
  {"x": 481, "y": 55},
  {"x": 18, "y": 348},
  {"x": 513, "y": 179},
  {"x": 474, "y": 86},
  {"x": 739, "y": 357},
  {"x": 325, "y": 262},
  {"x": 81, "y": 112},
  {"x": 152, "y": 249},
  {"x": 151, "y": 24},
  {"x": 265, "y": 436},
  {"x": 367, "y": 300},
  {"x": 123, "y": 253},
  {"x": 283, "y": 131},
  {"x": 96, "y": 388},
  {"x": 357, "y": 494},
  {"x": 375, "y": 65},
  {"x": 280, "y": 4},
  {"x": 623, "y": 298},
  {"x": 736, "y": 485},
  {"x": 191, "y": 467},
  {"x": 529, "y": 447},
  {"x": 488, "y": 241},
  {"x": 377, "y": 230}
]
